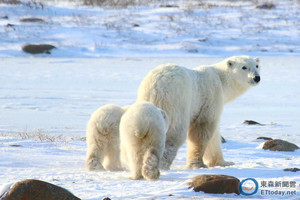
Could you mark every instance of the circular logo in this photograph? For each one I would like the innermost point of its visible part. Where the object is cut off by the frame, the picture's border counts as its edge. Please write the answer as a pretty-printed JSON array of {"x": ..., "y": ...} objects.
[{"x": 248, "y": 186}]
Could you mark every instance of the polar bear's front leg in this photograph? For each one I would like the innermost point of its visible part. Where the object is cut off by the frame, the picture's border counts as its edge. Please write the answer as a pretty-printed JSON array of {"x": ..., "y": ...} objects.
[
  {"x": 198, "y": 138},
  {"x": 213, "y": 155}
]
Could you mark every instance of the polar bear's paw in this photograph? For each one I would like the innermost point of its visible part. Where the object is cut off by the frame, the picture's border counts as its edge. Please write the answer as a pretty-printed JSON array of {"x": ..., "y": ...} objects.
[
  {"x": 222, "y": 164},
  {"x": 114, "y": 168},
  {"x": 227, "y": 163},
  {"x": 195, "y": 165},
  {"x": 150, "y": 173},
  {"x": 94, "y": 165},
  {"x": 150, "y": 169}
]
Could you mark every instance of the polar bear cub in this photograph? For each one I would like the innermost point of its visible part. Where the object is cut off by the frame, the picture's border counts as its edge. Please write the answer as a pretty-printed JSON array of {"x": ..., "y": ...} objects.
[
  {"x": 102, "y": 136},
  {"x": 142, "y": 135}
]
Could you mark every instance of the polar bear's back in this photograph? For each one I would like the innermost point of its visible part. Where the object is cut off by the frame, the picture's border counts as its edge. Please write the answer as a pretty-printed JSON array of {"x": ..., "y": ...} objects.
[
  {"x": 106, "y": 119},
  {"x": 168, "y": 83},
  {"x": 143, "y": 118}
]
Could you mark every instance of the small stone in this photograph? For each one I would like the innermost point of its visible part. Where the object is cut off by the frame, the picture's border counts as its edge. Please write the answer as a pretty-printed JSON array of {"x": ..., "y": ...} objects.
[
  {"x": 291, "y": 169},
  {"x": 15, "y": 145},
  {"x": 38, "y": 48},
  {"x": 223, "y": 139},
  {"x": 31, "y": 19},
  {"x": 32, "y": 189},
  {"x": 168, "y": 6},
  {"x": 251, "y": 122},
  {"x": 217, "y": 184},
  {"x": 279, "y": 145},
  {"x": 267, "y": 6},
  {"x": 264, "y": 138}
]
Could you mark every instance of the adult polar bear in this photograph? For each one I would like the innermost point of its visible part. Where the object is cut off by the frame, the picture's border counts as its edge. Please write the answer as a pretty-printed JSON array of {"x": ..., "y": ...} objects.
[{"x": 193, "y": 99}]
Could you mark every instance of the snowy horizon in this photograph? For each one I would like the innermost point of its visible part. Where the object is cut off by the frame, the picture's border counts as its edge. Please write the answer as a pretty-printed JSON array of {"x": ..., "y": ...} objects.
[{"x": 168, "y": 28}]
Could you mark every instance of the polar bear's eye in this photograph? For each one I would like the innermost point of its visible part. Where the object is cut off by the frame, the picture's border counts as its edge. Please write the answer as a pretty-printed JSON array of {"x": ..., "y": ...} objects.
[
  {"x": 256, "y": 66},
  {"x": 244, "y": 67}
]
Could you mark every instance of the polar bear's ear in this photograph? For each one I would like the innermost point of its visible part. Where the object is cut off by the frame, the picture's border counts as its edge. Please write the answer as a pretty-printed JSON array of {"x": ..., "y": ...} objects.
[
  {"x": 230, "y": 63},
  {"x": 165, "y": 116},
  {"x": 256, "y": 59}
]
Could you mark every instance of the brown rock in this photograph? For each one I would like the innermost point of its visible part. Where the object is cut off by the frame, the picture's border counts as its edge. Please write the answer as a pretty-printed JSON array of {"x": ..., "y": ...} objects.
[
  {"x": 31, "y": 19},
  {"x": 38, "y": 48},
  {"x": 223, "y": 139},
  {"x": 251, "y": 122},
  {"x": 279, "y": 145},
  {"x": 291, "y": 169},
  {"x": 218, "y": 184},
  {"x": 264, "y": 138},
  {"x": 267, "y": 6},
  {"x": 31, "y": 189}
]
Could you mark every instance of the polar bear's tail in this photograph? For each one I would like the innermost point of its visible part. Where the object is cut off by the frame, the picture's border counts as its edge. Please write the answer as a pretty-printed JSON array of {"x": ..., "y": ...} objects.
[
  {"x": 142, "y": 131},
  {"x": 150, "y": 169}
]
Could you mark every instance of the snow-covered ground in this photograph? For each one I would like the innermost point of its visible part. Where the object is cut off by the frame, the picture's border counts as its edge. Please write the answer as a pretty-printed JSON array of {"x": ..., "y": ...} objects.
[
  {"x": 186, "y": 28},
  {"x": 56, "y": 96},
  {"x": 101, "y": 57}
]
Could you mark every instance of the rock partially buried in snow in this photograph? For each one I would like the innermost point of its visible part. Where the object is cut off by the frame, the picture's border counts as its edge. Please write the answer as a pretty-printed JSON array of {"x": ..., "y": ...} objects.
[
  {"x": 251, "y": 122},
  {"x": 31, "y": 189},
  {"x": 32, "y": 19},
  {"x": 217, "y": 184},
  {"x": 279, "y": 145},
  {"x": 291, "y": 169},
  {"x": 223, "y": 139},
  {"x": 38, "y": 48},
  {"x": 264, "y": 138}
]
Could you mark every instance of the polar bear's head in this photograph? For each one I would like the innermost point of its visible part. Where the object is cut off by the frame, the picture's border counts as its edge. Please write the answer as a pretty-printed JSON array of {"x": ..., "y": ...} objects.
[{"x": 245, "y": 70}]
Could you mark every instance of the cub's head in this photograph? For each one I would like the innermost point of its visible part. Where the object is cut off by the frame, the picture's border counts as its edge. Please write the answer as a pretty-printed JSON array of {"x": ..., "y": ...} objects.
[{"x": 245, "y": 70}]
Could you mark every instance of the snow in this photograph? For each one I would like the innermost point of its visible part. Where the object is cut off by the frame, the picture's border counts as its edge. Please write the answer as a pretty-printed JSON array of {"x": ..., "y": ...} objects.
[
  {"x": 46, "y": 100},
  {"x": 192, "y": 28},
  {"x": 56, "y": 96}
]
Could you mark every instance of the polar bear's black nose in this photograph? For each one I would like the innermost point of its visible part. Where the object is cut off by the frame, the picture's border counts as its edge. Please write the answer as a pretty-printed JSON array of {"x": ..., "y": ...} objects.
[{"x": 257, "y": 79}]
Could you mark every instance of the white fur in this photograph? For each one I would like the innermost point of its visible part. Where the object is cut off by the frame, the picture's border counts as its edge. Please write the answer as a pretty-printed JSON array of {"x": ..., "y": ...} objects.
[
  {"x": 194, "y": 99},
  {"x": 102, "y": 136},
  {"x": 142, "y": 133}
]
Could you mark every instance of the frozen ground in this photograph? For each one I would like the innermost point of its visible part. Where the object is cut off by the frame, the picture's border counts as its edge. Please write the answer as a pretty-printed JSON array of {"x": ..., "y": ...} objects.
[
  {"x": 185, "y": 28},
  {"x": 56, "y": 96},
  {"x": 102, "y": 56}
]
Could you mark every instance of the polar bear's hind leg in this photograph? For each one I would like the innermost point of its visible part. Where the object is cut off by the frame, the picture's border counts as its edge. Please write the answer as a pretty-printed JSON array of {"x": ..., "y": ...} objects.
[{"x": 150, "y": 169}]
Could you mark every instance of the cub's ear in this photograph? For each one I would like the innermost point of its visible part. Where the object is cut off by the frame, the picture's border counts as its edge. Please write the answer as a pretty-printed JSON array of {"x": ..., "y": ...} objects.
[
  {"x": 230, "y": 63},
  {"x": 256, "y": 59},
  {"x": 165, "y": 116}
]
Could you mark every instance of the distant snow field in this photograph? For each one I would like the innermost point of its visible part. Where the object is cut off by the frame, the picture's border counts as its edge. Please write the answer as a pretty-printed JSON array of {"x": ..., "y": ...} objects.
[
  {"x": 185, "y": 28},
  {"x": 56, "y": 96}
]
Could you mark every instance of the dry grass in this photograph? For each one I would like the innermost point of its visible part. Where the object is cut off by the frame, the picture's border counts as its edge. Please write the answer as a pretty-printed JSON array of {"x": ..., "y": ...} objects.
[
  {"x": 40, "y": 136},
  {"x": 120, "y": 4}
]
